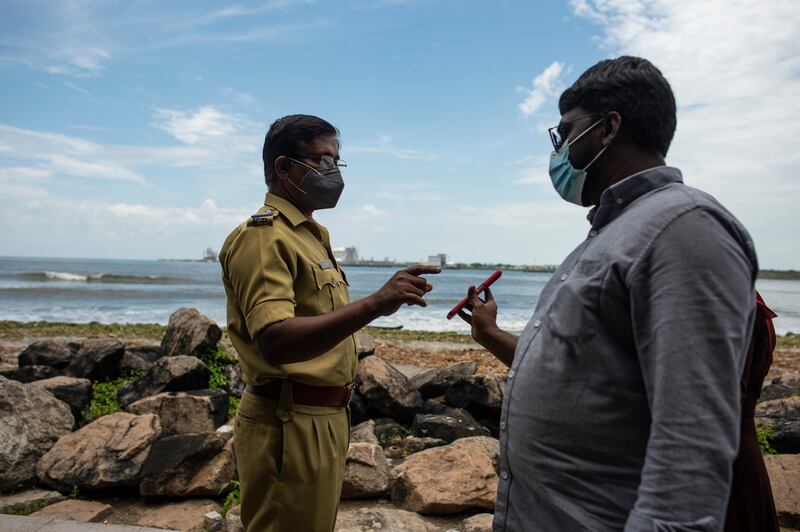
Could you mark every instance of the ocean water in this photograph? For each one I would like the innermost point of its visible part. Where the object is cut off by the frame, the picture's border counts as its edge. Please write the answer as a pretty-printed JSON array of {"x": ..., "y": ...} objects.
[{"x": 137, "y": 291}]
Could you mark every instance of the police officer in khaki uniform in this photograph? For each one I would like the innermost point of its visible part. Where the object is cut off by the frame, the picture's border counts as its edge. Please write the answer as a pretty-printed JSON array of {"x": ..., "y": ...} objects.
[{"x": 291, "y": 322}]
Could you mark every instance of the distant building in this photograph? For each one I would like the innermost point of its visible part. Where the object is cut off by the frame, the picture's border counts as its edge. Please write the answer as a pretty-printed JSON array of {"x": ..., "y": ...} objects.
[
  {"x": 210, "y": 255},
  {"x": 346, "y": 255},
  {"x": 438, "y": 260}
]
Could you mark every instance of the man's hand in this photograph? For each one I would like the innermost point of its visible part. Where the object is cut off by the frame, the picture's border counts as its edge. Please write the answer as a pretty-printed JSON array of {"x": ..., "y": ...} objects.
[
  {"x": 405, "y": 286},
  {"x": 483, "y": 319},
  {"x": 485, "y": 331}
]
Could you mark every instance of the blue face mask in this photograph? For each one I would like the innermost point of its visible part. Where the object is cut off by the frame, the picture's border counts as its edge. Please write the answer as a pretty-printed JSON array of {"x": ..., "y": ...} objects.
[{"x": 568, "y": 180}]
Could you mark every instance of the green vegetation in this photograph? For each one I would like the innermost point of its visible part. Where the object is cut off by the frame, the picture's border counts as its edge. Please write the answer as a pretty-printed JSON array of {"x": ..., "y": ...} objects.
[
  {"x": 234, "y": 406},
  {"x": 104, "y": 396},
  {"x": 216, "y": 361},
  {"x": 428, "y": 336},
  {"x": 764, "y": 433},
  {"x": 41, "y": 329},
  {"x": 789, "y": 341},
  {"x": 233, "y": 498},
  {"x": 26, "y": 510},
  {"x": 790, "y": 275}
]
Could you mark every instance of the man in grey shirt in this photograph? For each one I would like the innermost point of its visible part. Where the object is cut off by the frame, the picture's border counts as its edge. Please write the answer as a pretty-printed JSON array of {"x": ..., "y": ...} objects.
[{"x": 622, "y": 407}]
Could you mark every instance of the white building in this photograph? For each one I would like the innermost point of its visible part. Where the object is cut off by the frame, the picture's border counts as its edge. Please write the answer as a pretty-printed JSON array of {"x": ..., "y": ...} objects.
[{"x": 347, "y": 255}]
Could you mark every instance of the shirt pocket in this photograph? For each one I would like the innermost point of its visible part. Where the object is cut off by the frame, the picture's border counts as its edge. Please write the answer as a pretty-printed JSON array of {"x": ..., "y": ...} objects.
[
  {"x": 331, "y": 289},
  {"x": 574, "y": 311}
]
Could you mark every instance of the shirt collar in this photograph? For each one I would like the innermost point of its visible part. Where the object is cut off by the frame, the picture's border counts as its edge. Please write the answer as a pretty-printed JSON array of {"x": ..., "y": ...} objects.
[
  {"x": 621, "y": 194},
  {"x": 286, "y": 208}
]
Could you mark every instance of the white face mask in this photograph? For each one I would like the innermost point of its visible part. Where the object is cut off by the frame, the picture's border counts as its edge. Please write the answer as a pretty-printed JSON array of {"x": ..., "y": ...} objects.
[{"x": 568, "y": 180}]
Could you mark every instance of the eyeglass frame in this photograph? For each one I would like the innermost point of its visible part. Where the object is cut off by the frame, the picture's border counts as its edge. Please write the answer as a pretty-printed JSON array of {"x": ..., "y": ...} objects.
[
  {"x": 558, "y": 146},
  {"x": 336, "y": 163}
]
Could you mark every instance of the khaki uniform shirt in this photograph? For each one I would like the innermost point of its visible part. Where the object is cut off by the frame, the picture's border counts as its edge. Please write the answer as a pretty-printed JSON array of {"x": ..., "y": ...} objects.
[{"x": 277, "y": 270}]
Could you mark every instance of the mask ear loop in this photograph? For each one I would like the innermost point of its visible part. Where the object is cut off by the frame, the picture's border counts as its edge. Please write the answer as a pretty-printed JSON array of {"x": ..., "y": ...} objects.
[
  {"x": 304, "y": 176},
  {"x": 576, "y": 139}
]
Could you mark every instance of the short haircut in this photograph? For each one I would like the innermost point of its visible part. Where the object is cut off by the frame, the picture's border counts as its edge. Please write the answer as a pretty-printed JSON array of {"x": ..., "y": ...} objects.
[
  {"x": 288, "y": 136},
  {"x": 634, "y": 88}
]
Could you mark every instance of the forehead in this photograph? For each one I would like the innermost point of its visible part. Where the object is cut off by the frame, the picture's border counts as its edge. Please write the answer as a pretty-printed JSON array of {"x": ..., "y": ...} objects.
[{"x": 323, "y": 145}]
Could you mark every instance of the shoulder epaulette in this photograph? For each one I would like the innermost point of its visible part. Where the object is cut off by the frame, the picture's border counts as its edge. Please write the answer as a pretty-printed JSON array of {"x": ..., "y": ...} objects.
[{"x": 264, "y": 218}]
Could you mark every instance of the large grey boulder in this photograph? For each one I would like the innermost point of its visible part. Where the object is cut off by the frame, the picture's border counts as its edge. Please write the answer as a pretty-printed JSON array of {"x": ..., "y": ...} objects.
[
  {"x": 77, "y": 393},
  {"x": 106, "y": 453},
  {"x": 386, "y": 390},
  {"x": 185, "y": 412},
  {"x": 366, "y": 472},
  {"x": 435, "y": 382},
  {"x": 364, "y": 433},
  {"x": 97, "y": 360},
  {"x": 31, "y": 421},
  {"x": 782, "y": 416},
  {"x": 168, "y": 374},
  {"x": 189, "y": 465},
  {"x": 236, "y": 384},
  {"x": 388, "y": 519},
  {"x": 784, "y": 478},
  {"x": 26, "y": 374},
  {"x": 447, "y": 428},
  {"x": 456, "y": 478},
  {"x": 147, "y": 350},
  {"x": 189, "y": 333},
  {"x": 480, "y": 394},
  {"x": 785, "y": 385},
  {"x": 54, "y": 353},
  {"x": 365, "y": 345}
]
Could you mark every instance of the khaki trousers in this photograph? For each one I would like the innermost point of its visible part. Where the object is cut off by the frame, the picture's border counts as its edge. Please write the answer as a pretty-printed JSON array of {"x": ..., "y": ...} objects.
[{"x": 291, "y": 461}]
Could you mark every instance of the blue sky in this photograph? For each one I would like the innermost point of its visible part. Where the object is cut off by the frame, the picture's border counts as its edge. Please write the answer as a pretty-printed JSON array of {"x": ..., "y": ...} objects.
[{"x": 134, "y": 129}]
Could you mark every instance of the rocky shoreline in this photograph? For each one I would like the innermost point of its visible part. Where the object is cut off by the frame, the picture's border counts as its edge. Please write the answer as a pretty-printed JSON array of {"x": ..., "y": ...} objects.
[{"x": 138, "y": 431}]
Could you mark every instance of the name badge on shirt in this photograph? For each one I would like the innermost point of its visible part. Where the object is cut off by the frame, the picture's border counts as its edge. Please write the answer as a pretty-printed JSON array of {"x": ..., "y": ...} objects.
[{"x": 325, "y": 264}]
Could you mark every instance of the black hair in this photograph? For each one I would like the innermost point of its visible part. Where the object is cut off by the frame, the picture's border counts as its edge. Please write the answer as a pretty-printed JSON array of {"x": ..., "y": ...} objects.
[
  {"x": 634, "y": 88},
  {"x": 289, "y": 135}
]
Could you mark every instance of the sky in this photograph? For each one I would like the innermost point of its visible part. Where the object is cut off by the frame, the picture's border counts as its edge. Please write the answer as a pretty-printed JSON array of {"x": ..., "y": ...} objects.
[{"x": 135, "y": 129}]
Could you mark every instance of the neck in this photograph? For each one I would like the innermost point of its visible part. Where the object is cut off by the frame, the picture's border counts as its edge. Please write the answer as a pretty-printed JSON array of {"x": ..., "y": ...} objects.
[
  {"x": 623, "y": 165},
  {"x": 279, "y": 189}
]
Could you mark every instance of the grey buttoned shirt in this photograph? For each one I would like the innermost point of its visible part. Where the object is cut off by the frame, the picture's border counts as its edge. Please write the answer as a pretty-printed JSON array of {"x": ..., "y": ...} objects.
[{"x": 622, "y": 408}]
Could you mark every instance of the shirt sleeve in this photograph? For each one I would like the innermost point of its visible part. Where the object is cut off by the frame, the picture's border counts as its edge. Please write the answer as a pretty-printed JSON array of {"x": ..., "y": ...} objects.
[
  {"x": 692, "y": 306},
  {"x": 261, "y": 268}
]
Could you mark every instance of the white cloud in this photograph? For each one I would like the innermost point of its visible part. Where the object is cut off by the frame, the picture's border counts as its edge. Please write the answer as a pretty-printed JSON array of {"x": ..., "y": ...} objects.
[
  {"x": 369, "y": 209},
  {"x": 204, "y": 123},
  {"x": 735, "y": 69},
  {"x": 545, "y": 87}
]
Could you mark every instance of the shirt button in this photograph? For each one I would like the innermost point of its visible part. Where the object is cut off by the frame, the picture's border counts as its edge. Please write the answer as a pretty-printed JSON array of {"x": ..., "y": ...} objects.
[
  {"x": 537, "y": 323},
  {"x": 511, "y": 374},
  {"x": 592, "y": 233},
  {"x": 620, "y": 201},
  {"x": 504, "y": 474},
  {"x": 564, "y": 277}
]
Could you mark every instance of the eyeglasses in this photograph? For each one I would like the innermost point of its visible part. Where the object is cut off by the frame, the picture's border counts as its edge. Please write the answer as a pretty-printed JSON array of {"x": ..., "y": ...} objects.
[
  {"x": 325, "y": 162},
  {"x": 556, "y": 136}
]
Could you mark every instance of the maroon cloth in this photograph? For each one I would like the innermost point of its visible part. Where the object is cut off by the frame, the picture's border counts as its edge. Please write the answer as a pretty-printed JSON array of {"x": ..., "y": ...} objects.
[{"x": 751, "y": 507}]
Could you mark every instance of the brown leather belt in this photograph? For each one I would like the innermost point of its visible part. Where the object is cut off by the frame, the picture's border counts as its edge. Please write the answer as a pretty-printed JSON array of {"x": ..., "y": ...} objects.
[{"x": 305, "y": 394}]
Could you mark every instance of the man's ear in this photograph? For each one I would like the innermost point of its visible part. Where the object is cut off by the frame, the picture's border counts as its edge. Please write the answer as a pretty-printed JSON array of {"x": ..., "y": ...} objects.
[
  {"x": 611, "y": 127},
  {"x": 282, "y": 166}
]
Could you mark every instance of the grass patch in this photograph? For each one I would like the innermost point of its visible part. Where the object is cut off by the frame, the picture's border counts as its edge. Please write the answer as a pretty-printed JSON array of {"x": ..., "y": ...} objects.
[
  {"x": 216, "y": 361},
  {"x": 789, "y": 341},
  {"x": 27, "y": 509},
  {"x": 104, "y": 396},
  {"x": 43, "y": 329},
  {"x": 233, "y": 406},
  {"x": 764, "y": 433},
  {"x": 428, "y": 336},
  {"x": 233, "y": 498}
]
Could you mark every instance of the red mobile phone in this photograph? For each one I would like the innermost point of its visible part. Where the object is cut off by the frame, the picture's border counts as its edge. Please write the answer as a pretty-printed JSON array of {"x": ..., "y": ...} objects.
[{"x": 481, "y": 287}]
